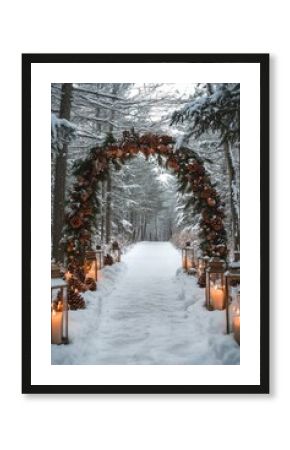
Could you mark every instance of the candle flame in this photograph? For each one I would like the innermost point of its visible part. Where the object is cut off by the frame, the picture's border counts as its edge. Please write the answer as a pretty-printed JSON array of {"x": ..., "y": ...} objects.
[{"x": 217, "y": 288}]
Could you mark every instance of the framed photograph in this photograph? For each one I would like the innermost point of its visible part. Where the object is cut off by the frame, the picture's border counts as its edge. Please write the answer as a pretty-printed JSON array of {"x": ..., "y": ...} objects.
[{"x": 145, "y": 223}]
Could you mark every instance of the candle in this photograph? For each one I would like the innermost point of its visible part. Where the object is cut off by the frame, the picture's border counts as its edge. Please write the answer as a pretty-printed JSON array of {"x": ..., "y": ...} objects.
[
  {"x": 68, "y": 276},
  {"x": 92, "y": 271},
  {"x": 187, "y": 263},
  {"x": 217, "y": 297},
  {"x": 200, "y": 269},
  {"x": 56, "y": 327}
]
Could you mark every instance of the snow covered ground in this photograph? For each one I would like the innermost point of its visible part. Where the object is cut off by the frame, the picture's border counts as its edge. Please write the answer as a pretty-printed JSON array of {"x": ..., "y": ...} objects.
[{"x": 147, "y": 311}]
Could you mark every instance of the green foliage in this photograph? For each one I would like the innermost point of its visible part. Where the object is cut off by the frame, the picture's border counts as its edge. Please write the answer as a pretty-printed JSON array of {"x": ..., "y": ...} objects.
[
  {"x": 109, "y": 139},
  {"x": 81, "y": 166},
  {"x": 212, "y": 111}
]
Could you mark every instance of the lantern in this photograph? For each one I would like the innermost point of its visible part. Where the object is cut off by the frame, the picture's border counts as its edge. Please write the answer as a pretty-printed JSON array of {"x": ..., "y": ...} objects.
[
  {"x": 236, "y": 256},
  {"x": 188, "y": 257},
  {"x": 99, "y": 258},
  {"x": 202, "y": 263},
  {"x": 215, "y": 284},
  {"x": 233, "y": 299},
  {"x": 235, "y": 317},
  {"x": 200, "y": 266},
  {"x": 91, "y": 266},
  {"x": 59, "y": 307},
  {"x": 116, "y": 252}
]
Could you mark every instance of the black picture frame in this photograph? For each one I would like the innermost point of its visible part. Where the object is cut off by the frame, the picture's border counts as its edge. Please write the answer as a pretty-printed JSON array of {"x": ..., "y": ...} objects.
[{"x": 27, "y": 61}]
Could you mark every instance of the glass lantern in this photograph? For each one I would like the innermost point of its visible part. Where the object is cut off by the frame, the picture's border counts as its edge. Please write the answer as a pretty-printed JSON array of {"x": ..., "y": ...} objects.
[
  {"x": 59, "y": 308},
  {"x": 187, "y": 257},
  {"x": 236, "y": 256},
  {"x": 215, "y": 284},
  {"x": 100, "y": 258},
  {"x": 236, "y": 318},
  {"x": 116, "y": 252},
  {"x": 202, "y": 263},
  {"x": 91, "y": 265},
  {"x": 233, "y": 300}
]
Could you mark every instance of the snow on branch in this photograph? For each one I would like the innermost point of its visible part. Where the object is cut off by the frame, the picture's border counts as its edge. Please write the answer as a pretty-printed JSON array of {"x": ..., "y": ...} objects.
[
  {"x": 97, "y": 93},
  {"x": 217, "y": 111},
  {"x": 62, "y": 131}
]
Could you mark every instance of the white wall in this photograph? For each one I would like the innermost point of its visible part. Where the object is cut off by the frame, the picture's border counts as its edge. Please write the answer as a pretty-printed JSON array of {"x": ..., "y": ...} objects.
[{"x": 140, "y": 422}]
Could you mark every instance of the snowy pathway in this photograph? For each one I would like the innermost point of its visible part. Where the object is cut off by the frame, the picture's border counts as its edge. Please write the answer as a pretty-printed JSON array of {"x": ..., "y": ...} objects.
[{"x": 146, "y": 311}]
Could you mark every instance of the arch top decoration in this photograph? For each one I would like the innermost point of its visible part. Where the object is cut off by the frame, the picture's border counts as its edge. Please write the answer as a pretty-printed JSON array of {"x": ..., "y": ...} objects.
[{"x": 189, "y": 168}]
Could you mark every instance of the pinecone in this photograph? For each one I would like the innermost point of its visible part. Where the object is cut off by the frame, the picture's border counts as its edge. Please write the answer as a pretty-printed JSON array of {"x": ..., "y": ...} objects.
[
  {"x": 75, "y": 284},
  {"x": 75, "y": 301},
  {"x": 91, "y": 284},
  {"x": 211, "y": 202},
  {"x": 207, "y": 192},
  {"x": 108, "y": 260},
  {"x": 76, "y": 222}
]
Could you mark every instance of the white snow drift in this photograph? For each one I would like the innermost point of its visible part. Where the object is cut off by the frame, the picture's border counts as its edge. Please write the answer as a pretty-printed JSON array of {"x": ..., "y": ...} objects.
[{"x": 146, "y": 311}]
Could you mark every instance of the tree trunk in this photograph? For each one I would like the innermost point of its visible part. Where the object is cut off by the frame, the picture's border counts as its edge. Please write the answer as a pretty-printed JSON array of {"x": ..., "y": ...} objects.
[
  {"x": 233, "y": 213},
  {"x": 144, "y": 229},
  {"x": 103, "y": 211},
  {"x": 60, "y": 179},
  {"x": 133, "y": 222},
  {"x": 100, "y": 224},
  {"x": 109, "y": 184},
  {"x": 109, "y": 208},
  {"x": 156, "y": 229}
]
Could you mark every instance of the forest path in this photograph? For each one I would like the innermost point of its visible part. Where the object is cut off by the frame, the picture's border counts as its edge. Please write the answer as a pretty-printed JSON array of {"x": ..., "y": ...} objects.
[
  {"x": 147, "y": 311},
  {"x": 141, "y": 317}
]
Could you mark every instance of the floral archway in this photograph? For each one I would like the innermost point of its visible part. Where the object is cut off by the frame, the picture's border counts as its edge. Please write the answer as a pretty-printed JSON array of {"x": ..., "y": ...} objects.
[{"x": 184, "y": 162}]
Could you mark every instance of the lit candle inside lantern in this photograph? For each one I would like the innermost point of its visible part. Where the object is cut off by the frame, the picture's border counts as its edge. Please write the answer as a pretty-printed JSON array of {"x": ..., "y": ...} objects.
[
  {"x": 217, "y": 297},
  {"x": 56, "y": 327},
  {"x": 68, "y": 276},
  {"x": 187, "y": 263},
  {"x": 200, "y": 268},
  {"x": 92, "y": 271}
]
